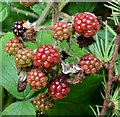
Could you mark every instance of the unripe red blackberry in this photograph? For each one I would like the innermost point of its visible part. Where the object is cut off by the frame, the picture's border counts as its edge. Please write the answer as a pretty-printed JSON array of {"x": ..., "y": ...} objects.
[
  {"x": 61, "y": 31},
  {"x": 43, "y": 102},
  {"x": 58, "y": 88},
  {"x": 46, "y": 56},
  {"x": 19, "y": 28},
  {"x": 86, "y": 24},
  {"x": 90, "y": 64},
  {"x": 29, "y": 3},
  {"x": 36, "y": 79},
  {"x": 12, "y": 46},
  {"x": 24, "y": 58}
]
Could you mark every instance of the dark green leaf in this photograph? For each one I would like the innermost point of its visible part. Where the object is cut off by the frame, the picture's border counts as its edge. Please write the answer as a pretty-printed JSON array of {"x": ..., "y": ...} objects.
[
  {"x": 79, "y": 7},
  {"x": 79, "y": 98},
  {"x": 20, "y": 108}
]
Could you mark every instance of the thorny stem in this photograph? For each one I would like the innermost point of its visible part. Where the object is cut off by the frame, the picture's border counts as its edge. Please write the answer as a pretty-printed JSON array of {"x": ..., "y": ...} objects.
[
  {"x": 44, "y": 28},
  {"x": 55, "y": 15},
  {"x": 44, "y": 14},
  {"x": 27, "y": 13},
  {"x": 110, "y": 75}
]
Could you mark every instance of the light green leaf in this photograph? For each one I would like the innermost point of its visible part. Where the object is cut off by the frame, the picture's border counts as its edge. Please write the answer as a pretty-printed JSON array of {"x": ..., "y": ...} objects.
[
  {"x": 9, "y": 72},
  {"x": 31, "y": 45},
  {"x": 20, "y": 108},
  {"x": 3, "y": 12},
  {"x": 44, "y": 37},
  {"x": 39, "y": 8}
]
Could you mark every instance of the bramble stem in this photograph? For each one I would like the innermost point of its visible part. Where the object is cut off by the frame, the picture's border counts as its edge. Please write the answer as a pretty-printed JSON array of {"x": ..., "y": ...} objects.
[
  {"x": 44, "y": 14},
  {"x": 44, "y": 28},
  {"x": 54, "y": 18},
  {"x": 110, "y": 75},
  {"x": 27, "y": 13}
]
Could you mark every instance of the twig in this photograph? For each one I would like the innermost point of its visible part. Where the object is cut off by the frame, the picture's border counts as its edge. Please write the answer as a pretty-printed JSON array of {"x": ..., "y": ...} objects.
[
  {"x": 54, "y": 18},
  {"x": 27, "y": 13},
  {"x": 55, "y": 12},
  {"x": 44, "y": 14},
  {"x": 44, "y": 28},
  {"x": 110, "y": 75}
]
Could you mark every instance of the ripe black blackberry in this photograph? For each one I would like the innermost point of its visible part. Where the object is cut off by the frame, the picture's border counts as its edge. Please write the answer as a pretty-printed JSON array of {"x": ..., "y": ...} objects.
[
  {"x": 43, "y": 102},
  {"x": 18, "y": 28}
]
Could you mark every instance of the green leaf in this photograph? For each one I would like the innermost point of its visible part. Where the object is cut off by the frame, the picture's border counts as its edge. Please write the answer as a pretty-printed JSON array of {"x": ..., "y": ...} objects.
[
  {"x": 79, "y": 98},
  {"x": 31, "y": 45},
  {"x": 20, "y": 108},
  {"x": 3, "y": 12},
  {"x": 79, "y": 7},
  {"x": 44, "y": 37},
  {"x": 9, "y": 72},
  {"x": 39, "y": 8}
]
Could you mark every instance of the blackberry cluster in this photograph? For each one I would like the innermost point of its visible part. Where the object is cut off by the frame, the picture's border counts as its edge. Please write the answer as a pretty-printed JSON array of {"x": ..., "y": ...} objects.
[
  {"x": 18, "y": 28},
  {"x": 36, "y": 79},
  {"x": 86, "y": 24},
  {"x": 12, "y": 46},
  {"x": 90, "y": 64},
  {"x": 58, "y": 88},
  {"x": 61, "y": 31},
  {"x": 43, "y": 102},
  {"x": 24, "y": 57},
  {"x": 46, "y": 56}
]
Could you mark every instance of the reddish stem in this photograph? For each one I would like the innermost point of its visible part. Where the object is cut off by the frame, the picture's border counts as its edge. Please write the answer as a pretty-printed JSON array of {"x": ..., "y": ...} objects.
[{"x": 110, "y": 75}]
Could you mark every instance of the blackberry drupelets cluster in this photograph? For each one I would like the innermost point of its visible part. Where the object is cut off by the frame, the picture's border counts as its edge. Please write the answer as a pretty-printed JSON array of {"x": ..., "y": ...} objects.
[
  {"x": 36, "y": 79},
  {"x": 86, "y": 24},
  {"x": 43, "y": 102},
  {"x": 18, "y": 28},
  {"x": 12, "y": 46},
  {"x": 58, "y": 88},
  {"x": 61, "y": 31},
  {"x": 46, "y": 56},
  {"x": 24, "y": 58},
  {"x": 90, "y": 64}
]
